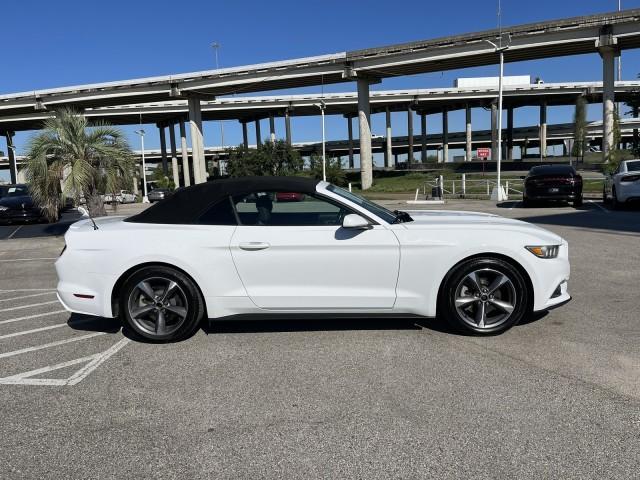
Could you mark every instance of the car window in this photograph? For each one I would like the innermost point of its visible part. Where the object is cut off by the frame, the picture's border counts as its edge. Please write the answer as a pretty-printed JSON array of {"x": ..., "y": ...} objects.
[
  {"x": 219, "y": 214},
  {"x": 633, "y": 166},
  {"x": 287, "y": 209},
  {"x": 14, "y": 191}
]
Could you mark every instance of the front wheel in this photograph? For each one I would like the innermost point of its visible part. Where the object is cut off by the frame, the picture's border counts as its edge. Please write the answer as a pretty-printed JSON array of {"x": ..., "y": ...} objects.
[
  {"x": 161, "y": 304},
  {"x": 484, "y": 296}
]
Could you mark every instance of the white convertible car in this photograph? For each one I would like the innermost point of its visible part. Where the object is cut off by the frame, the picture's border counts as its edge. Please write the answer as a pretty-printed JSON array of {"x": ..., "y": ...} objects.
[{"x": 231, "y": 247}]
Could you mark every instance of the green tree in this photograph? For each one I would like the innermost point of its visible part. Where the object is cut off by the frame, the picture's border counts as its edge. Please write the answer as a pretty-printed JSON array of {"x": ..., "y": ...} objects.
[
  {"x": 580, "y": 127},
  {"x": 334, "y": 171},
  {"x": 69, "y": 159},
  {"x": 160, "y": 180},
  {"x": 271, "y": 158}
]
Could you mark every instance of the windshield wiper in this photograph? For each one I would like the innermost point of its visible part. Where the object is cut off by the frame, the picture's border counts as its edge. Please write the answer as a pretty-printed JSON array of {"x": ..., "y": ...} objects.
[{"x": 402, "y": 217}]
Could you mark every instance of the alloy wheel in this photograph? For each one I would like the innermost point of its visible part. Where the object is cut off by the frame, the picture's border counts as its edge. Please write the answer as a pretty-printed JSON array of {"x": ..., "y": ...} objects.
[
  {"x": 158, "y": 306},
  {"x": 485, "y": 298}
]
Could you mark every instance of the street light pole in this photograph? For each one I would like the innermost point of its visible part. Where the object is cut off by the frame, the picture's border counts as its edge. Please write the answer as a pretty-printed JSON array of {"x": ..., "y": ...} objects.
[
  {"x": 145, "y": 198},
  {"x": 324, "y": 157},
  {"x": 216, "y": 46}
]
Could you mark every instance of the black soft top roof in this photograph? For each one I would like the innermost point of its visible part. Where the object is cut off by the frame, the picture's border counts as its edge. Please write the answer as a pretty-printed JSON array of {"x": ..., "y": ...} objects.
[{"x": 186, "y": 205}]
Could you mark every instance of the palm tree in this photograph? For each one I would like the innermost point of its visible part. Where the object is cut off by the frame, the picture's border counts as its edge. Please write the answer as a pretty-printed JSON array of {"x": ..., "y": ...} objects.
[{"x": 70, "y": 159}]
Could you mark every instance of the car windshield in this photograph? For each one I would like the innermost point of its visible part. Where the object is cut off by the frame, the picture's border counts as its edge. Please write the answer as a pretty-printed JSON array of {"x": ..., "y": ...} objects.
[
  {"x": 633, "y": 166},
  {"x": 13, "y": 191},
  {"x": 552, "y": 170},
  {"x": 379, "y": 211}
]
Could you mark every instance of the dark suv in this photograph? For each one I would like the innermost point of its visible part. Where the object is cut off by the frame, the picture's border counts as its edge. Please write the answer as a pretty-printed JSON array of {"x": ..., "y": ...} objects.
[{"x": 552, "y": 183}]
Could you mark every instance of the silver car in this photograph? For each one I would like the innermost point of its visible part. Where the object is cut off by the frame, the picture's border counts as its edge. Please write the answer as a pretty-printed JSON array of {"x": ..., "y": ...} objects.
[{"x": 158, "y": 194}]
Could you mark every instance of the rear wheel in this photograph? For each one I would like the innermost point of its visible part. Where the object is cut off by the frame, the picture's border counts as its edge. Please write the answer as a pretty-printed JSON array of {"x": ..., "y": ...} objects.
[
  {"x": 615, "y": 204},
  {"x": 578, "y": 201},
  {"x": 484, "y": 296},
  {"x": 161, "y": 304}
]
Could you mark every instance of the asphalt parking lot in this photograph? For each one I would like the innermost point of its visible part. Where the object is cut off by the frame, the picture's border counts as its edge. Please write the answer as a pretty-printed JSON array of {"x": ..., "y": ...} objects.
[{"x": 558, "y": 397}]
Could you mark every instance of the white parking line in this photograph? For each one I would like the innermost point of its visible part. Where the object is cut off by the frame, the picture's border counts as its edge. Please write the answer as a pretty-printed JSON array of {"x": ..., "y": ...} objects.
[
  {"x": 27, "y": 259},
  {"x": 29, "y": 317},
  {"x": 599, "y": 206},
  {"x": 49, "y": 345},
  {"x": 14, "y": 232},
  {"x": 96, "y": 362},
  {"x": 26, "y": 296},
  {"x": 27, "y": 306},
  {"x": 33, "y": 330},
  {"x": 27, "y": 290}
]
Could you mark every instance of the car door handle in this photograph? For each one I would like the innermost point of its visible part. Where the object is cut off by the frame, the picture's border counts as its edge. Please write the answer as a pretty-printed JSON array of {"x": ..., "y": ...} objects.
[{"x": 254, "y": 245}]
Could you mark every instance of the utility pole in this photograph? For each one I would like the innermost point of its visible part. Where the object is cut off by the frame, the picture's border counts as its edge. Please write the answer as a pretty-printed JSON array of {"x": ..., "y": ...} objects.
[{"x": 216, "y": 46}]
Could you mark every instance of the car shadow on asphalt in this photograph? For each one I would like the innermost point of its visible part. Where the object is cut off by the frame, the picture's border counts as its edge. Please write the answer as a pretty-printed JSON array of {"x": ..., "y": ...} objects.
[{"x": 89, "y": 323}]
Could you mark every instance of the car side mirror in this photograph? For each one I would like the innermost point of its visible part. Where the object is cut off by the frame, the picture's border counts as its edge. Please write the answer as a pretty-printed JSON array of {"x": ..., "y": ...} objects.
[
  {"x": 356, "y": 222},
  {"x": 83, "y": 211}
]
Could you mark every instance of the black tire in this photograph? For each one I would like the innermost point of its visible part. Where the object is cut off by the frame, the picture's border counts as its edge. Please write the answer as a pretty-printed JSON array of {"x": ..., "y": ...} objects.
[
  {"x": 185, "y": 299},
  {"x": 615, "y": 204},
  {"x": 457, "y": 280},
  {"x": 605, "y": 199},
  {"x": 577, "y": 202},
  {"x": 526, "y": 203}
]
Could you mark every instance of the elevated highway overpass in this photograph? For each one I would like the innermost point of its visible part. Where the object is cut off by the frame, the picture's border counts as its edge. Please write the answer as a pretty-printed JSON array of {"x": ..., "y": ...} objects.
[{"x": 605, "y": 34}]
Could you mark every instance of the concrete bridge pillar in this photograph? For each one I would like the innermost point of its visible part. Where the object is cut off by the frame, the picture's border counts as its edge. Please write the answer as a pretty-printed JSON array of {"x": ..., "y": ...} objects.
[
  {"x": 469, "y": 135},
  {"x": 494, "y": 131},
  {"x": 543, "y": 130},
  {"x": 350, "y": 136},
  {"x": 510, "y": 133},
  {"x": 389, "y": 141},
  {"x": 287, "y": 125},
  {"x": 272, "y": 129},
  {"x": 197, "y": 141},
  {"x": 11, "y": 154},
  {"x": 635, "y": 130},
  {"x": 174, "y": 155},
  {"x": 245, "y": 135},
  {"x": 186, "y": 174},
  {"x": 258, "y": 134},
  {"x": 423, "y": 135},
  {"x": 163, "y": 148},
  {"x": 410, "y": 134},
  {"x": 608, "y": 51},
  {"x": 364, "y": 120},
  {"x": 445, "y": 134}
]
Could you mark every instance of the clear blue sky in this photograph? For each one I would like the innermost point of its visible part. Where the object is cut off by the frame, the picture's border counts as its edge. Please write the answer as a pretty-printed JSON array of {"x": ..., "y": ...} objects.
[{"x": 50, "y": 44}]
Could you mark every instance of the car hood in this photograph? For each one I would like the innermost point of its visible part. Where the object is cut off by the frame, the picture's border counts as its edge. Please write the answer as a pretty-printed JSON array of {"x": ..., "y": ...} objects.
[
  {"x": 17, "y": 202},
  {"x": 475, "y": 221}
]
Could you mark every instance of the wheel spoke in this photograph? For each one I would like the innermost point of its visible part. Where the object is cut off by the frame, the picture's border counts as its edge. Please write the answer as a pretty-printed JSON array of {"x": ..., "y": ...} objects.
[
  {"x": 481, "y": 314},
  {"x": 142, "y": 310},
  {"x": 168, "y": 291},
  {"x": 145, "y": 288},
  {"x": 462, "y": 302},
  {"x": 502, "y": 305},
  {"x": 180, "y": 311},
  {"x": 160, "y": 323},
  {"x": 497, "y": 283},
  {"x": 475, "y": 280}
]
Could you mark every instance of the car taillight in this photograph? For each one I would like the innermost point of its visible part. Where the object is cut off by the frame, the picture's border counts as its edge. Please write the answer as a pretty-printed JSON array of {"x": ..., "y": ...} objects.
[{"x": 630, "y": 178}]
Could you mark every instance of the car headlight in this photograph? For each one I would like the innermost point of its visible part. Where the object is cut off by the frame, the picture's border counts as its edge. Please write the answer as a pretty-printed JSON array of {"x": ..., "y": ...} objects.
[
  {"x": 3, "y": 208},
  {"x": 545, "y": 251}
]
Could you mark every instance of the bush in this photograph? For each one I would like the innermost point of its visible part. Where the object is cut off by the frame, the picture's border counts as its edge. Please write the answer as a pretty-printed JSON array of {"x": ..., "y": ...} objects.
[{"x": 271, "y": 158}]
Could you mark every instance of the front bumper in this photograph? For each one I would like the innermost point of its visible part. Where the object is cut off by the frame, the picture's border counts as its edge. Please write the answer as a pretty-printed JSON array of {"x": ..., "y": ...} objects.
[{"x": 20, "y": 216}]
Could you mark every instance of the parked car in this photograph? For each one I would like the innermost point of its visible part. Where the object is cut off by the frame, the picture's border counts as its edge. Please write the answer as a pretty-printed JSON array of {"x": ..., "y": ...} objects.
[
  {"x": 623, "y": 185},
  {"x": 158, "y": 194},
  {"x": 123, "y": 196},
  {"x": 289, "y": 197},
  {"x": 17, "y": 205},
  {"x": 205, "y": 253},
  {"x": 552, "y": 183}
]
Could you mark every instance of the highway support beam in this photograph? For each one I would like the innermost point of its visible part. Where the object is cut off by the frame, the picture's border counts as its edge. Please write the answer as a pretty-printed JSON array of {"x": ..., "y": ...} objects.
[
  {"x": 389, "y": 140},
  {"x": 258, "y": 134},
  {"x": 543, "y": 131},
  {"x": 510, "y": 133},
  {"x": 287, "y": 125},
  {"x": 272, "y": 129},
  {"x": 11, "y": 154},
  {"x": 186, "y": 174},
  {"x": 410, "y": 134},
  {"x": 635, "y": 143},
  {"x": 350, "y": 134},
  {"x": 445, "y": 135},
  {"x": 197, "y": 141},
  {"x": 174, "y": 154},
  {"x": 423, "y": 137},
  {"x": 245, "y": 134},
  {"x": 607, "y": 48},
  {"x": 364, "y": 120},
  {"x": 494, "y": 131},
  {"x": 468, "y": 156},
  {"x": 163, "y": 148}
]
